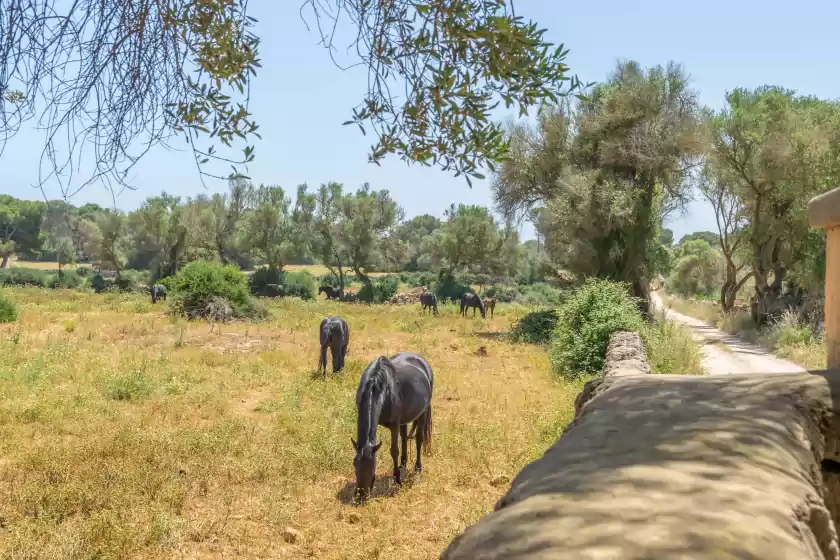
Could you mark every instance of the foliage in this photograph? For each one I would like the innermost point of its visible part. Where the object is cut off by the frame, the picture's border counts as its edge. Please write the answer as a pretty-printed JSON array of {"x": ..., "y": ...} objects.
[
  {"x": 270, "y": 231},
  {"x": 65, "y": 280},
  {"x": 541, "y": 295},
  {"x": 698, "y": 270},
  {"x": 20, "y": 226},
  {"x": 502, "y": 292},
  {"x": 381, "y": 290},
  {"x": 24, "y": 277},
  {"x": 454, "y": 66},
  {"x": 417, "y": 279},
  {"x": 8, "y": 309},
  {"x": 535, "y": 327},
  {"x": 300, "y": 284},
  {"x": 712, "y": 239},
  {"x": 260, "y": 281},
  {"x": 413, "y": 234},
  {"x": 670, "y": 348},
  {"x": 210, "y": 290},
  {"x": 585, "y": 322},
  {"x": 98, "y": 283},
  {"x": 772, "y": 151},
  {"x": 596, "y": 178},
  {"x": 448, "y": 288}
]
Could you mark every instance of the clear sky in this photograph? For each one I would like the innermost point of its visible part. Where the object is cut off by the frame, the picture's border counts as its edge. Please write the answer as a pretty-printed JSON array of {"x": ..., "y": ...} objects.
[{"x": 300, "y": 99}]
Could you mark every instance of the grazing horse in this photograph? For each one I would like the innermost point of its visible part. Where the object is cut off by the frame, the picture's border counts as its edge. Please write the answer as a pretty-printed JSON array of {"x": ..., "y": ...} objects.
[
  {"x": 392, "y": 392},
  {"x": 332, "y": 293},
  {"x": 428, "y": 300},
  {"x": 474, "y": 301},
  {"x": 335, "y": 333},
  {"x": 158, "y": 292},
  {"x": 490, "y": 305}
]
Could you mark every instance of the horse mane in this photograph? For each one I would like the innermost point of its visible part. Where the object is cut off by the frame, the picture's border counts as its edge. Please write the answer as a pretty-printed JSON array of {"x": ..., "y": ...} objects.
[{"x": 376, "y": 384}]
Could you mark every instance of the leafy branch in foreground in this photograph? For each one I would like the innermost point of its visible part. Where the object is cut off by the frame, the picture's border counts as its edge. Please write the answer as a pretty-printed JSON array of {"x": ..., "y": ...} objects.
[{"x": 436, "y": 69}]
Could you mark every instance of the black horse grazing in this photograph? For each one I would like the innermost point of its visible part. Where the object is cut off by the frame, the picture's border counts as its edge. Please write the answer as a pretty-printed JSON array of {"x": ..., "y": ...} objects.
[
  {"x": 490, "y": 305},
  {"x": 335, "y": 333},
  {"x": 428, "y": 300},
  {"x": 474, "y": 301},
  {"x": 332, "y": 293},
  {"x": 393, "y": 392},
  {"x": 158, "y": 292}
]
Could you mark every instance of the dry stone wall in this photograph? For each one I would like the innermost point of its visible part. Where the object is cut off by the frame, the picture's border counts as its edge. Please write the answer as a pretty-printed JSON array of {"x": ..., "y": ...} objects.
[{"x": 671, "y": 467}]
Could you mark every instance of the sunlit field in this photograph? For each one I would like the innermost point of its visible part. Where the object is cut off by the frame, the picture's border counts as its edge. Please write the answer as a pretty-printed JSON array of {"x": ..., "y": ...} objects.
[{"x": 125, "y": 434}]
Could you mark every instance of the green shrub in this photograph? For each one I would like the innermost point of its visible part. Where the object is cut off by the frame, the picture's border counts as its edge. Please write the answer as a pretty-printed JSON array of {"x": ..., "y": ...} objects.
[
  {"x": 385, "y": 287},
  {"x": 83, "y": 271},
  {"x": 263, "y": 280},
  {"x": 208, "y": 290},
  {"x": 541, "y": 295},
  {"x": 299, "y": 284},
  {"x": 585, "y": 323},
  {"x": 166, "y": 281},
  {"x": 24, "y": 277},
  {"x": 417, "y": 279},
  {"x": 64, "y": 279},
  {"x": 8, "y": 309},
  {"x": 535, "y": 327},
  {"x": 132, "y": 280},
  {"x": 502, "y": 292},
  {"x": 448, "y": 288}
]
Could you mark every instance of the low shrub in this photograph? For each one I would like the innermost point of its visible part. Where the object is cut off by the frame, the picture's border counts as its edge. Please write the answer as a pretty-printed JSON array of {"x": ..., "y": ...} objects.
[
  {"x": 8, "y": 309},
  {"x": 380, "y": 289},
  {"x": 535, "y": 327},
  {"x": 132, "y": 280},
  {"x": 585, "y": 323},
  {"x": 417, "y": 279},
  {"x": 24, "y": 277},
  {"x": 84, "y": 271},
  {"x": 670, "y": 348},
  {"x": 541, "y": 295},
  {"x": 263, "y": 281},
  {"x": 502, "y": 292},
  {"x": 299, "y": 284},
  {"x": 64, "y": 279},
  {"x": 98, "y": 283},
  {"x": 208, "y": 290}
]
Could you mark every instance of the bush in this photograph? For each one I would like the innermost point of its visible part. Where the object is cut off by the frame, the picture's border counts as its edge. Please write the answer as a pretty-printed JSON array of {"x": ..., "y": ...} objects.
[
  {"x": 8, "y": 309},
  {"x": 208, "y": 290},
  {"x": 65, "y": 280},
  {"x": 541, "y": 295},
  {"x": 132, "y": 280},
  {"x": 535, "y": 327},
  {"x": 585, "y": 323},
  {"x": 502, "y": 292},
  {"x": 299, "y": 284},
  {"x": 24, "y": 277},
  {"x": 84, "y": 271},
  {"x": 670, "y": 349},
  {"x": 417, "y": 279},
  {"x": 166, "y": 281},
  {"x": 449, "y": 288},
  {"x": 261, "y": 281},
  {"x": 380, "y": 290}
]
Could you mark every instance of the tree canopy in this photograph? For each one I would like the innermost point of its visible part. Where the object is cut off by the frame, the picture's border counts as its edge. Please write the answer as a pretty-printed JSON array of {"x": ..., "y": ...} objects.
[{"x": 113, "y": 78}]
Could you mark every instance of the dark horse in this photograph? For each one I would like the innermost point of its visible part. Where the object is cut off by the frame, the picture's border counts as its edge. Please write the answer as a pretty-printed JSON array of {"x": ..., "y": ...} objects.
[
  {"x": 474, "y": 301},
  {"x": 393, "y": 392},
  {"x": 335, "y": 333},
  {"x": 158, "y": 292},
  {"x": 332, "y": 293},
  {"x": 428, "y": 300},
  {"x": 490, "y": 305}
]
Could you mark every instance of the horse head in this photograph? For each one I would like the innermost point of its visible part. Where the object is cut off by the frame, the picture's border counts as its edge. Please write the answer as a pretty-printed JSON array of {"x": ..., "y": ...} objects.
[{"x": 365, "y": 465}]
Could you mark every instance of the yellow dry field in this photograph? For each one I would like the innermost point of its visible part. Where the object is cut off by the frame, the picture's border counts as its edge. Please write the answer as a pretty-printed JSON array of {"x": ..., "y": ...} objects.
[
  {"x": 42, "y": 265},
  {"x": 126, "y": 434},
  {"x": 320, "y": 270}
]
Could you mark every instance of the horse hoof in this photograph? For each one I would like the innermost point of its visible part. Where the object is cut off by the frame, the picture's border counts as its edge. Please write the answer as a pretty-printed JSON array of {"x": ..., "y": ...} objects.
[{"x": 418, "y": 470}]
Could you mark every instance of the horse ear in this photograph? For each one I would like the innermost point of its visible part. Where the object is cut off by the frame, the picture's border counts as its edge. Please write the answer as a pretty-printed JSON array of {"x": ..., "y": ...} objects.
[
  {"x": 377, "y": 446},
  {"x": 355, "y": 445}
]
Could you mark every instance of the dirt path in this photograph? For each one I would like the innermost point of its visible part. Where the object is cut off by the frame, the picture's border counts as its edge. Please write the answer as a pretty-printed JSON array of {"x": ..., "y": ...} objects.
[{"x": 724, "y": 353}]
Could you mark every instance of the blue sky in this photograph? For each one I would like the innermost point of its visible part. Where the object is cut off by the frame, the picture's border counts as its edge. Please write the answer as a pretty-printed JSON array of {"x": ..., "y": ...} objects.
[{"x": 300, "y": 99}]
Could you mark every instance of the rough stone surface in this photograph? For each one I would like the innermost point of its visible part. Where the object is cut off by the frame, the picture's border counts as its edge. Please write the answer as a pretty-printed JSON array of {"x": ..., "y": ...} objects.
[
  {"x": 625, "y": 356},
  {"x": 676, "y": 467}
]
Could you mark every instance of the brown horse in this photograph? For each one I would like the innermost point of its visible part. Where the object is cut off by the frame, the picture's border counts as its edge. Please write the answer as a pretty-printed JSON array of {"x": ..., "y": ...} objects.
[
  {"x": 393, "y": 392},
  {"x": 490, "y": 305}
]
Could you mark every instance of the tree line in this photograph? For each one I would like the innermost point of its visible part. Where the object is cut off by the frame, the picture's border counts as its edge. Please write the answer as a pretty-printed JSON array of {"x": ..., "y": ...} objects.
[
  {"x": 349, "y": 232},
  {"x": 598, "y": 177}
]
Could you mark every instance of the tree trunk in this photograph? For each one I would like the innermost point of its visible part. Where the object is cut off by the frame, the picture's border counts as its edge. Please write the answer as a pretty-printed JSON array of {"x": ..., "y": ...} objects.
[{"x": 366, "y": 281}]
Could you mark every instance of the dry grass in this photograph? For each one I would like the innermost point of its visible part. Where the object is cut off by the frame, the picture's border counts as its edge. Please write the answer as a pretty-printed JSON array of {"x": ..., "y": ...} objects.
[
  {"x": 320, "y": 270},
  {"x": 42, "y": 265},
  {"x": 124, "y": 434}
]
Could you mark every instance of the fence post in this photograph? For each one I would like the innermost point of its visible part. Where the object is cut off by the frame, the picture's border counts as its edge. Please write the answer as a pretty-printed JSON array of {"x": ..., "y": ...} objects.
[{"x": 824, "y": 213}]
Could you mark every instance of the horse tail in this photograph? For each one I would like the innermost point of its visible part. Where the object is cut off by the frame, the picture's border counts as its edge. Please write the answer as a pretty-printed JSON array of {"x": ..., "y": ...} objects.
[{"x": 427, "y": 432}]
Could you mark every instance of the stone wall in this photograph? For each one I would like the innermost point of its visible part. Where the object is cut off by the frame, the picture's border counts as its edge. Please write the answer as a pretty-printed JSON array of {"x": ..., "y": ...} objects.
[{"x": 671, "y": 467}]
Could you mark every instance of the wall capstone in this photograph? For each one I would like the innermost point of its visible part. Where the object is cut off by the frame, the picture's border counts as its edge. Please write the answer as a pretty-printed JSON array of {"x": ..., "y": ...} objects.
[{"x": 626, "y": 355}]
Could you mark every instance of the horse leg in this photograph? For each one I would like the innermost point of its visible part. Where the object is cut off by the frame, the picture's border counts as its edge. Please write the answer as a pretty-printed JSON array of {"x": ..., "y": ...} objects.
[
  {"x": 395, "y": 451},
  {"x": 404, "y": 438},
  {"x": 343, "y": 354},
  {"x": 322, "y": 362},
  {"x": 419, "y": 429}
]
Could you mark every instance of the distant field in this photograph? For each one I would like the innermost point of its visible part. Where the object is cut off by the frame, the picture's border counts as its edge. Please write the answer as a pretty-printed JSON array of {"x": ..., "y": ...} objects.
[
  {"x": 127, "y": 434},
  {"x": 314, "y": 269},
  {"x": 42, "y": 265}
]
